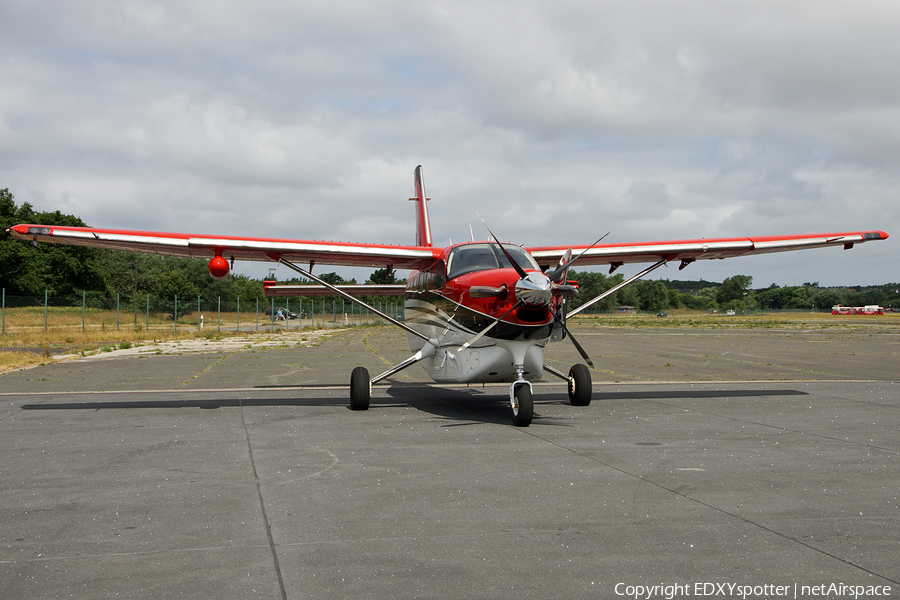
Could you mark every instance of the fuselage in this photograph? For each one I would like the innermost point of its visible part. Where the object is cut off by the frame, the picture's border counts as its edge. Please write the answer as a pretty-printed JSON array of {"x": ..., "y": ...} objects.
[{"x": 464, "y": 292}]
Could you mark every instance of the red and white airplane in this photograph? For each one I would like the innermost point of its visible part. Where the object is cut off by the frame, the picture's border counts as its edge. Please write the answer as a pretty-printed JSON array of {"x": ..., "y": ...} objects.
[{"x": 476, "y": 312}]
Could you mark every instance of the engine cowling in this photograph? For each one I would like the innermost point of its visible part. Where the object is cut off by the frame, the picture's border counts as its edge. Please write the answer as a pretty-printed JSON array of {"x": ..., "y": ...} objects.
[{"x": 218, "y": 267}]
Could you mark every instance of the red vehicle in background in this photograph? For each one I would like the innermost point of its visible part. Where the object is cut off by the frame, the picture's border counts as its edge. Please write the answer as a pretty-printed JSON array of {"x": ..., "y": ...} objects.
[{"x": 870, "y": 309}]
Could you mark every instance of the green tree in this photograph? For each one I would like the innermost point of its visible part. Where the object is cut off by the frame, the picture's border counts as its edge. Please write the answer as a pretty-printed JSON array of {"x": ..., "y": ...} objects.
[
  {"x": 383, "y": 276},
  {"x": 674, "y": 299},
  {"x": 169, "y": 284},
  {"x": 590, "y": 285},
  {"x": 702, "y": 299},
  {"x": 734, "y": 288},
  {"x": 246, "y": 288},
  {"x": 652, "y": 295},
  {"x": 27, "y": 269},
  {"x": 335, "y": 279}
]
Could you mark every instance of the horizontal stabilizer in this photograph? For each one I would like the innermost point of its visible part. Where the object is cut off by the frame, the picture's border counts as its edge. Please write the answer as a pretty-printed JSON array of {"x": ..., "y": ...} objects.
[{"x": 273, "y": 289}]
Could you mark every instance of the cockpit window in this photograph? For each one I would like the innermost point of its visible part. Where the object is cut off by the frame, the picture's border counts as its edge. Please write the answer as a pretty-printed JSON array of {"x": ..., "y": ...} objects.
[{"x": 481, "y": 257}]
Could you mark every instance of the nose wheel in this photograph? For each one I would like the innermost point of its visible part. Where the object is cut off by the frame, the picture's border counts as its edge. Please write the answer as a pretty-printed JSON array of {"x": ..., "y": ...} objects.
[{"x": 522, "y": 403}]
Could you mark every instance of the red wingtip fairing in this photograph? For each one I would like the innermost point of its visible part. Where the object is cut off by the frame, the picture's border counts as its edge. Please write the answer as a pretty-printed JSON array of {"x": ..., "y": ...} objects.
[{"x": 218, "y": 268}]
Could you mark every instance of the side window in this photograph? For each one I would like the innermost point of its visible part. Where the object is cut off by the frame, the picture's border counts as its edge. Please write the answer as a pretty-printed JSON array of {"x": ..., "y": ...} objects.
[{"x": 439, "y": 276}]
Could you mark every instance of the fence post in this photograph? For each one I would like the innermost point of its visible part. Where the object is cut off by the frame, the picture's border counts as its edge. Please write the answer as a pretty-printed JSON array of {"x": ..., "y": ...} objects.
[
  {"x": 301, "y": 313},
  {"x": 176, "y": 313},
  {"x": 148, "y": 313},
  {"x": 45, "y": 309},
  {"x": 3, "y": 310},
  {"x": 238, "y": 314},
  {"x": 117, "y": 311},
  {"x": 199, "y": 316},
  {"x": 82, "y": 310},
  {"x": 257, "y": 313},
  {"x": 219, "y": 315}
]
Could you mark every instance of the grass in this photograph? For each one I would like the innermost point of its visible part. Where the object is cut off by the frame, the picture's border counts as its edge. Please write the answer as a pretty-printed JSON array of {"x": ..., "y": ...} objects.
[
  {"x": 686, "y": 319},
  {"x": 24, "y": 328},
  {"x": 31, "y": 337}
]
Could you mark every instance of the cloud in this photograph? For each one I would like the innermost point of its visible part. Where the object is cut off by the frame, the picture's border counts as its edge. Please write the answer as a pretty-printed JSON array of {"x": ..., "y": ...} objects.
[{"x": 556, "y": 123}]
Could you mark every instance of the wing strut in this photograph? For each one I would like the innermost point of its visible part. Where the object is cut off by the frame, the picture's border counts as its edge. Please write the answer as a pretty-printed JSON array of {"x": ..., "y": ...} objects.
[
  {"x": 347, "y": 296},
  {"x": 616, "y": 288}
]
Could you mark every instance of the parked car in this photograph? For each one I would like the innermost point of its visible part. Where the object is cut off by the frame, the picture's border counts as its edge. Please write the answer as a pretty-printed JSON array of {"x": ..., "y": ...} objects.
[
  {"x": 287, "y": 314},
  {"x": 662, "y": 314},
  {"x": 729, "y": 313}
]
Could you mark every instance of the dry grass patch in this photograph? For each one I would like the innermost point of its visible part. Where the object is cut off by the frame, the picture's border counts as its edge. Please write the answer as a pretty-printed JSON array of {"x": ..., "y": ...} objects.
[{"x": 10, "y": 361}]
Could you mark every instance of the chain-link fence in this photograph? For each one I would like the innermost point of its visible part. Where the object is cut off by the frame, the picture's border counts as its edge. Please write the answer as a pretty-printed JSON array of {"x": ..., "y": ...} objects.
[{"x": 148, "y": 312}]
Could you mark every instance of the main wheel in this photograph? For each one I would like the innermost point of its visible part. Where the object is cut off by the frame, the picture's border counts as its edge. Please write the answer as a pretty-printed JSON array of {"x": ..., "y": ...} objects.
[
  {"x": 360, "y": 391},
  {"x": 579, "y": 385},
  {"x": 523, "y": 406}
]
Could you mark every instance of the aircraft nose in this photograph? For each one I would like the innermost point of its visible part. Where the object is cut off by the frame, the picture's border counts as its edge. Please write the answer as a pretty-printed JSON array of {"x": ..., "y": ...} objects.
[{"x": 534, "y": 289}]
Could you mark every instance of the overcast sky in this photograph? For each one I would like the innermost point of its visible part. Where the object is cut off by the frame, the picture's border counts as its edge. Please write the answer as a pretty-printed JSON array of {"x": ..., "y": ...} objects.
[{"x": 557, "y": 121}]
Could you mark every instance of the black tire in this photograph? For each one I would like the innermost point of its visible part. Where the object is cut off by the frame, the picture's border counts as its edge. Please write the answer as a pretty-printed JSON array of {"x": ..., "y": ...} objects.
[
  {"x": 360, "y": 391},
  {"x": 579, "y": 385},
  {"x": 523, "y": 411}
]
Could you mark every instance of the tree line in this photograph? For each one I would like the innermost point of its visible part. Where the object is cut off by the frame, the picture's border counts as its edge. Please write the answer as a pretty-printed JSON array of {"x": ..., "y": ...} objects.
[
  {"x": 735, "y": 293},
  {"x": 69, "y": 271}
]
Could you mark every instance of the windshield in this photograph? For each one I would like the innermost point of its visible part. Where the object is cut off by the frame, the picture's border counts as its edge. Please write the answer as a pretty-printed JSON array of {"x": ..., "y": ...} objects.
[{"x": 481, "y": 257}]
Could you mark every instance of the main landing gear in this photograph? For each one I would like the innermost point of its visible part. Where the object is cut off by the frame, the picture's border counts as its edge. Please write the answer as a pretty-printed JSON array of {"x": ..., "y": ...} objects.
[
  {"x": 521, "y": 398},
  {"x": 360, "y": 390},
  {"x": 579, "y": 385}
]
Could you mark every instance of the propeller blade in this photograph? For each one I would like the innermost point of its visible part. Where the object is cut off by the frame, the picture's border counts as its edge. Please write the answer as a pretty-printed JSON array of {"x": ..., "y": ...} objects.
[
  {"x": 563, "y": 264},
  {"x": 489, "y": 327},
  {"x": 516, "y": 266},
  {"x": 569, "y": 291},
  {"x": 562, "y": 268}
]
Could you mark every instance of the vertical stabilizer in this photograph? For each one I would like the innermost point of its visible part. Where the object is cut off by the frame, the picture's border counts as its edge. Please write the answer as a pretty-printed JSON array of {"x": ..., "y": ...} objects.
[{"x": 423, "y": 223}]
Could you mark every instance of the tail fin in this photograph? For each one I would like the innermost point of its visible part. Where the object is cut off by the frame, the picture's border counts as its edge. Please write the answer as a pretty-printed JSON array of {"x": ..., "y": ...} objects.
[{"x": 423, "y": 223}]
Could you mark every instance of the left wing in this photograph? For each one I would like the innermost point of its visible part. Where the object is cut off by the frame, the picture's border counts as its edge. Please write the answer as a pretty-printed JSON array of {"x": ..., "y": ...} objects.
[
  {"x": 233, "y": 248},
  {"x": 687, "y": 251}
]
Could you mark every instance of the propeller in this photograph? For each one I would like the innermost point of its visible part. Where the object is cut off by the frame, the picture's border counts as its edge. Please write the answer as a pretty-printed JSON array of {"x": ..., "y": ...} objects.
[{"x": 533, "y": 289}]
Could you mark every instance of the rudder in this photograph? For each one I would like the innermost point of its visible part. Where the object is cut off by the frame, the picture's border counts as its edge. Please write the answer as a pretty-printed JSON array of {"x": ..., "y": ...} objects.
[{"x": 423, "y": 224}]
